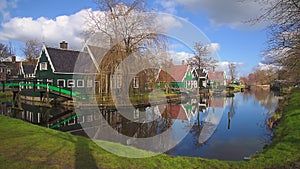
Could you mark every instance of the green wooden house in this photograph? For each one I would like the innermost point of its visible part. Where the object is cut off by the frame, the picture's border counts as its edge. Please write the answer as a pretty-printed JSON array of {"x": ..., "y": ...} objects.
[
  {"x": 80, "y": 70},
  {"x": 65, "y": 68},
  {"x": 178, "y": 77}
]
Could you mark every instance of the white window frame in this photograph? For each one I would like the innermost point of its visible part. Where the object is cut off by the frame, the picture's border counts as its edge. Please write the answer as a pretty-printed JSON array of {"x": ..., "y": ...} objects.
[
  {"x": 43, "y": 66},
  {"x": 61, "y": 80},
  {"x": 50, "y": 81},
  {"x": 72, "y": 122},
  {"x": 73, "y": 82},
  {"x": 39, "y": 81},
  {"x": 80, "y": 80},
  {"x": 118, "y": 81},
  {"x": 136, "y": 82},
  {"x": 89, "y": 83}
]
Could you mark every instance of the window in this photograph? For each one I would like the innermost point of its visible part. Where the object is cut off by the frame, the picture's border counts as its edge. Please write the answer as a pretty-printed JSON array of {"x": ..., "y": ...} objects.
[
  {"x": 80, "y": 83},
  {"x": 61, "y": 82},
  {"x": 49, "y": 81},
  {"x": 118, "y": 81},
  {"x": 43, "y": 66},
  {"x": 39, "y": 81},
  {"x": 71, "y": 83},
  {"x": 89, "y": 83},
  {"x": 135, "y": 82}
]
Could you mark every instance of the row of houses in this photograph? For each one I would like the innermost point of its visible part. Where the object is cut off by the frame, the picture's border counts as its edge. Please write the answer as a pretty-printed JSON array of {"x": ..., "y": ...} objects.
[{"x": 79, "y": 69}]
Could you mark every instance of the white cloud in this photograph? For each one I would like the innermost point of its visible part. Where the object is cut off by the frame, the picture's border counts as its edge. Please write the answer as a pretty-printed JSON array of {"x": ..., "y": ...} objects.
[
  {"x": 168, "y": 6},
  {"x": 178, "y": 57},
  {"x": 263, "y": 66},
  {"x": 166, "y": 22},
  {"x": 213, "y": 48},
  {"x": 233, "y": 13},
  {"x": 52, "y": 31},
  {"x": 5, "y": 5},
  {"x": 223, "y": 66}
]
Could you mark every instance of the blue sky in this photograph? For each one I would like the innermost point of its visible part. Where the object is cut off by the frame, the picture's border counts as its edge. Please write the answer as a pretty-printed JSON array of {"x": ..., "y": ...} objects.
[{"x": 223, "y": 23}]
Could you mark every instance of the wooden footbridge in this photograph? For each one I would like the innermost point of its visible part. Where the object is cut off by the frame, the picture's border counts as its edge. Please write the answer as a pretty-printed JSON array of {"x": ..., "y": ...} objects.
[{"x": 38, "y": 87}]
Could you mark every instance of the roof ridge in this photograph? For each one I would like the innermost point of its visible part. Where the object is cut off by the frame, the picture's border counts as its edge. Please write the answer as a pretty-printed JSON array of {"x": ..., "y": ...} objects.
[{"x": 71, "y": 50}]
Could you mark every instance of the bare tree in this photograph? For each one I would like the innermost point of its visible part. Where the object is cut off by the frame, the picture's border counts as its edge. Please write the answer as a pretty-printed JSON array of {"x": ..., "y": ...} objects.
[
  {"x": 32, "y": 50},
  {"x": 6, "y": 50},
  {"x": 284, "y": 28},
  {"x": 125, "y": 30},
  {"x": 232, "y": 70},
  {"x": 201, "y": 59}
]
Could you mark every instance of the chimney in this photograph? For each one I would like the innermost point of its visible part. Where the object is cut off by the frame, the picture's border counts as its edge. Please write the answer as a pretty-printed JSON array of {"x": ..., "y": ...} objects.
[
  {"x": 13, "y": 59},
  {"x": 63, "y": 45}
]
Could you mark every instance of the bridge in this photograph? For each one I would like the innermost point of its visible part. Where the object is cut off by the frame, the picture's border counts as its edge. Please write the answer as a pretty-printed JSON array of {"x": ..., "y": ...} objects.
[{"x": 39, "y": 87}]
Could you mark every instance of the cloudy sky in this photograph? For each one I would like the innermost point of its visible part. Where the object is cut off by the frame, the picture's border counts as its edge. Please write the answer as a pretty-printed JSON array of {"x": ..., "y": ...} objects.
[{"x": 222, "y": 22}]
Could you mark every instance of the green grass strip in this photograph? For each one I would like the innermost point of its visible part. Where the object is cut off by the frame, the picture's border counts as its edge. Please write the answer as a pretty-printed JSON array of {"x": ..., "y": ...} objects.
[{"x": 25, "y": 145}]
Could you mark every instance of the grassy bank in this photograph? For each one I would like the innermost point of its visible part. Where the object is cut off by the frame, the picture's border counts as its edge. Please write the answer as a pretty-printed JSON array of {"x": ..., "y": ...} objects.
[{"x": 25, "y": 145}]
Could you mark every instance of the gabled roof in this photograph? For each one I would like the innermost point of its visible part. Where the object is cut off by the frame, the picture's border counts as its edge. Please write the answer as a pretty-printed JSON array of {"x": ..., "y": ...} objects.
[
  {"x": 69, "y": 61},
  {"x": 63, "y": 60},
  {"x": 216, "y": 76},
  {"x": 28, "y": 68},
  {"x": 14, "y": 67},
  {"x": 173, "y": 111},
  {"x": 175, "y": 73},
  {"x": 217, "y": 102}
]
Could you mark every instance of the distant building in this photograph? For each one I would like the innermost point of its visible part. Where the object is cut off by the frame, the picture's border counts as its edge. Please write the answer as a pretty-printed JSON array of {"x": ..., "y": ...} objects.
[
  {"x": 26, "y": 71},
  {"x": 178, "y": 77},
  {"x": 2, "y": 72},
  {"x": 12, "y": 68},
  {"x": 217, "y": 79}
]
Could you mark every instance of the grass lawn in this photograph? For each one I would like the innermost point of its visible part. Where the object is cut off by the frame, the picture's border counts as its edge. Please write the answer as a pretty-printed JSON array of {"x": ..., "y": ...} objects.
[{"x": 24, "y": 145}]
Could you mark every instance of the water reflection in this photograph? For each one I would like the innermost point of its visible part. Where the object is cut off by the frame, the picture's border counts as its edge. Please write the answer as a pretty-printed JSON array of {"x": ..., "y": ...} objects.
[{"x": 216, "y": 127}]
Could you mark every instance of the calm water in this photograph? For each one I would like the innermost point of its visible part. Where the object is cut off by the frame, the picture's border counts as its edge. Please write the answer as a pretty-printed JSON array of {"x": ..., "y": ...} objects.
[{"x": 216, "y": 127}]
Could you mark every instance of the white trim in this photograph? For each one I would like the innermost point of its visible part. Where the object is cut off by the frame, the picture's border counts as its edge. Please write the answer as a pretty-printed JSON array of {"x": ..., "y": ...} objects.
[
  {"x": 44, "y": 49},
  {"x": 80, "y": 80},
  {"x": 74, "y": 73},
  {"x": 136, "y": 84},
  {"x": 49, "y": 60},
  {"x": 62, "y": 80},
  {"x": 89, "y": 83},
  {"x": 187, "y": 69},
  {"x": 43, "y": 66},
  {"x": 92, "y": 57},
  {"x": 22, "y": 69},
  {"x": 69, "y": 80},
  {"x": 158, "y": 75}
]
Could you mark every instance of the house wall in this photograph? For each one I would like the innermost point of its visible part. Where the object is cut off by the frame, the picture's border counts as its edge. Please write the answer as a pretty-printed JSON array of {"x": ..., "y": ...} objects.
[
  {"x": 2, "y": 73},
  {"x": 82, "y": 83},
  {"x": 190, "y": 81}
]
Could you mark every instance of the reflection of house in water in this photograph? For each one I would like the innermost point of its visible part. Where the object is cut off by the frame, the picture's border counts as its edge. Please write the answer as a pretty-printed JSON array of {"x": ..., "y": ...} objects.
[
  {"x": 180, "y": 111},
  {"x": 217, "y": 102},
  {"x": 212, "y": 117},
  {"x": 173, "y": 112}
]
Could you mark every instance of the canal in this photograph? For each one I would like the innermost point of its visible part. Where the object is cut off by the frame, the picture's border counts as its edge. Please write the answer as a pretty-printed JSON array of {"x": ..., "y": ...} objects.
[{"x": 225, "y": 128}]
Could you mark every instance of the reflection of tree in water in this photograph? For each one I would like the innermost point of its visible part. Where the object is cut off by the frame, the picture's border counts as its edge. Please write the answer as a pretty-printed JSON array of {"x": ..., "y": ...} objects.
[
  {"x": 232, "y": 109},
  {"x": 198, "y": 123},
  {"x": 148, "y": 126},
  {"x": 264, "y": 97},
  {"x": 195, "y": 131}
]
